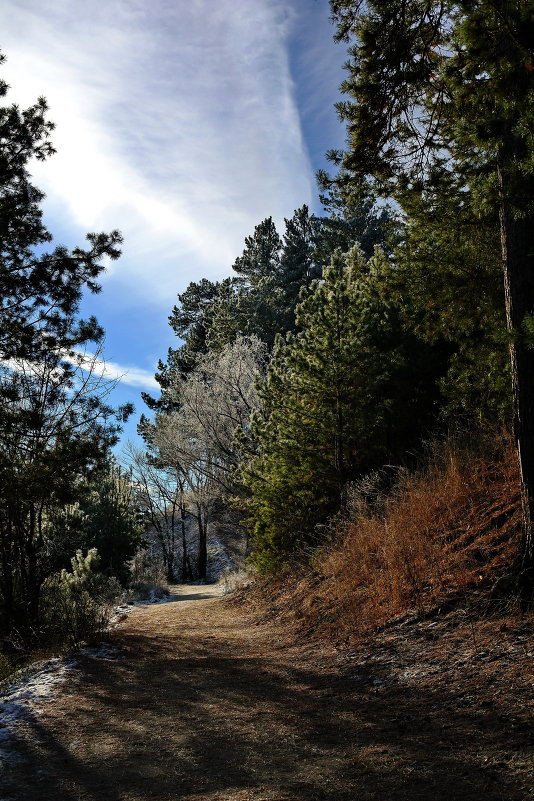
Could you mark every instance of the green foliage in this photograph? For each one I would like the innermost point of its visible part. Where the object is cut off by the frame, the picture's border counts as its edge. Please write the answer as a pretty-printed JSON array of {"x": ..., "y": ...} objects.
[
  {"x": 77, "y": 604},
  {"x": 55, "y": 423},
  {"x": 528, "y": 330},
  {"x": 258, "y": 302},
  {"x": 439, "y": 106},
  {"x": 349, "y": 390},
  {"x": 40, "y": 291},
  {"x": 448, "y": 264},
  {"x": 439, "y": 103},
  {"x": 111, "y": 525},
  {"x": 261, "y": 298}
]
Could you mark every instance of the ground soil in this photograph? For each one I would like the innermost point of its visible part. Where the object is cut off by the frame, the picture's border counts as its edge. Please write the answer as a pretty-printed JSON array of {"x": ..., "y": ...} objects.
[{"x": 198, "y": 700}]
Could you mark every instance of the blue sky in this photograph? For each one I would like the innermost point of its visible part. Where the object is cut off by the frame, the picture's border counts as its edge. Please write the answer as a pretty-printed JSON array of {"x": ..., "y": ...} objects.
[{"x": 183, "y": 123}]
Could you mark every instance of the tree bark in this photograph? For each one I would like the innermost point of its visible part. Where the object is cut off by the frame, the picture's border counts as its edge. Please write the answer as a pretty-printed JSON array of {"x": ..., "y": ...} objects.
[
  {"x": 186, "y": 567},
  {"x": 517, "y": 246},
  {"x": 202, "y": 542}
]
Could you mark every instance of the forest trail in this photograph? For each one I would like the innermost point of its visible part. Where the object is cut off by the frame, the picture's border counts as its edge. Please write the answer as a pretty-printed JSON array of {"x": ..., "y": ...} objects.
[{"x": 193, "y": 700}]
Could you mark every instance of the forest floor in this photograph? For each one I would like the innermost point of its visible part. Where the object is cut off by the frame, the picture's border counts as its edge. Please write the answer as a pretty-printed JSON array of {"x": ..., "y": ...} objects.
[{"x": 194, "y": 699}]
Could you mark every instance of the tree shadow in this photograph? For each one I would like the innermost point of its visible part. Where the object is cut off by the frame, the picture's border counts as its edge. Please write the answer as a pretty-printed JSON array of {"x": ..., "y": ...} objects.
[{"x": 189, "y": 720}]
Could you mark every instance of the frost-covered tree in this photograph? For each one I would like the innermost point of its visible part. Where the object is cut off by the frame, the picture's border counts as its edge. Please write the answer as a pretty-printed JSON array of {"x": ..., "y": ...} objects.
[
  {"x": 200, "y": 438},
  {"x": 159, "y": 495}
]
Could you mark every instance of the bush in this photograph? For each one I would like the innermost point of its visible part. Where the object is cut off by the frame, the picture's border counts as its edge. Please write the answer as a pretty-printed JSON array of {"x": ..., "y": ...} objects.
[
  {"x": 147, "y": 579},
  {"x": 77, "y": 605}
]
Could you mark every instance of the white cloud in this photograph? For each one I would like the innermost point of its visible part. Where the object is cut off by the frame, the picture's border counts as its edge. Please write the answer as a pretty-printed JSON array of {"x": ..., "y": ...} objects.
[
  {"x": 176, "y": 122},
  {"x": 88, "y": 362},
  {"x": 130, "y": 375}
]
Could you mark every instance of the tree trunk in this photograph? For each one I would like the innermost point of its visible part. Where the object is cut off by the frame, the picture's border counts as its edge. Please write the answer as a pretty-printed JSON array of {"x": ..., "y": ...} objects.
[
  {"x": 517, "y": 244},
  {"x": 202, "y": 543},
  {"x": 186, "y": 567},
  {"x": 171, "y": 577}
]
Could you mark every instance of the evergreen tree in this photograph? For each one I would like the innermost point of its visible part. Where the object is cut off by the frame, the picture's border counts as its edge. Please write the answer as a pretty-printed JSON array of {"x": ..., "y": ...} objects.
[
  {"x": 38, "y": 293},
  {"x": 349, "y": 390},
  {"x": 251, "y": 303},
  {"x": 260, "y": 300},
  {"x": 448, "y": 265},
  {"x": 110, "y": 522},
  {"x": 441, "y": 95},
  {"x": 55, "y": 423}
]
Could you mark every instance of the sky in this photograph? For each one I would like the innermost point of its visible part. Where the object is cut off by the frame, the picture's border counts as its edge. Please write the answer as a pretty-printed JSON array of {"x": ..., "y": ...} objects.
[{"x": 182, "y": 123}]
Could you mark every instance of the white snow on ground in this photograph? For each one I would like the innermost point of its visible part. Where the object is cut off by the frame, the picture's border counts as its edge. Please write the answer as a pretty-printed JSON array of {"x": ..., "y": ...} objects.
[
  {"x": 121, "y": 612},
  {"x": 17, "y": 704},
  {"x": 104, "y": 651},
  {"x": 154, "y": 599}
]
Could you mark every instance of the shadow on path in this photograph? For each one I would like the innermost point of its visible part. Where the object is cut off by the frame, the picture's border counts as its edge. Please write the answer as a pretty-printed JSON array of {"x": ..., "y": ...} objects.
[{"x": 198, "y": 706}]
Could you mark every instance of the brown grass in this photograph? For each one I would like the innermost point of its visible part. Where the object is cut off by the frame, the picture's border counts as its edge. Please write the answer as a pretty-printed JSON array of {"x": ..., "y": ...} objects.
[{"x": 445, "y": 532}]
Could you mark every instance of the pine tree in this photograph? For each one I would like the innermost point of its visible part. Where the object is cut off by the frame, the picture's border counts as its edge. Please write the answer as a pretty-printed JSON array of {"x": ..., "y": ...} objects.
[
  {"x": 349, "y": 390},
  {"x": 55, "y": 423},
  {"x": 38, "y": 292},
  {"x": 442, "y": 96},
  {"x": 448, "y": 265}
]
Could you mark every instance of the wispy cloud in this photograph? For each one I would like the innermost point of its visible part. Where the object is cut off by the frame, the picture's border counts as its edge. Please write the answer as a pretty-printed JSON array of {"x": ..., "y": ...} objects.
[
  {"x": 176, "y": 122},
  {"x": 111, "y": 371},
  {"x": 88, "y": 363},
  {"x": 132, "y": 376}
]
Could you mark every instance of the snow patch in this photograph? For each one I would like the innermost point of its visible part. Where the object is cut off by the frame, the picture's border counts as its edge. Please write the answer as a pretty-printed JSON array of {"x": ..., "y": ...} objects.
[
  {"x": 155, "y": 598},
  {"x": 17, "y": 703},
  {"x": 104, "y": 651},
  {"x": 123, "y": 610}
]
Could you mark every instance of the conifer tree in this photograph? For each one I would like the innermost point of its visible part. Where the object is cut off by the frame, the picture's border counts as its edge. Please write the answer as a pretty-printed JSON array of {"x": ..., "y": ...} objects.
[
  {"x": 55, "y": 423},
  {"x": 448, "y": 265},
  {"x": 343, "y": 393},
  {"x": 440, "y": 97},
  {"x": 38, "y": 291}
]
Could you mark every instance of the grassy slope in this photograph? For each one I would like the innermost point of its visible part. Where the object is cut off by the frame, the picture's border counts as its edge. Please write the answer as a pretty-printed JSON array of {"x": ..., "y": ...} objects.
[{"x": 439, "y": 540}]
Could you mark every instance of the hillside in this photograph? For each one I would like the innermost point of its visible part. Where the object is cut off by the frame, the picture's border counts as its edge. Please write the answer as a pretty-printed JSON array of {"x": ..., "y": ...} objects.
[{"x": 437, "y": 539}]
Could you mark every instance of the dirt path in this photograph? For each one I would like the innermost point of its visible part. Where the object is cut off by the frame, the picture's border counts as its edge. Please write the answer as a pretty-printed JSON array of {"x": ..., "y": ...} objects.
[{"x": 193, "y": 701}]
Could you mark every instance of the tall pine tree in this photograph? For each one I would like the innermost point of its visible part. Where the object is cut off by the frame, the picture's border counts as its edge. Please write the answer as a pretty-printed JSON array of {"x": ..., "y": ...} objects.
[
  {"x": 441, "y": 96},
  {"x": 345, "y": 393}
]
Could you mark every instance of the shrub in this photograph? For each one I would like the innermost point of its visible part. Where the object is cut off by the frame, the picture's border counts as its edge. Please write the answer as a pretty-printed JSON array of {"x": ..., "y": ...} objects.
[
  {"x": 147, "y": 579},
  {"x": 77, "y": 605}
]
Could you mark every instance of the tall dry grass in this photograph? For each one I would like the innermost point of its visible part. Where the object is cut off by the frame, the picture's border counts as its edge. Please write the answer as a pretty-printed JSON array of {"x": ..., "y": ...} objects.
[
  {"x": 448, "y": 527},
  {"x": 445, "y": 531}
]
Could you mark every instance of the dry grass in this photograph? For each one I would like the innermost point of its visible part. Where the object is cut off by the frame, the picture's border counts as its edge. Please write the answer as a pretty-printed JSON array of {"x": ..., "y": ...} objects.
[{"x": 445, "y": 532}]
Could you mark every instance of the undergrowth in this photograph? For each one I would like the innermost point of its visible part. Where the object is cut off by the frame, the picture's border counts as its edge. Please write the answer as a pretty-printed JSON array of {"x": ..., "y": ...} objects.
[{"x": 439, "y": 535}]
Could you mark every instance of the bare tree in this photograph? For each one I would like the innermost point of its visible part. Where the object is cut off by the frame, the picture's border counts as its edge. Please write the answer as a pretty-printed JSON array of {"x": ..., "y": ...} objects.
[
  {"x": 214, "y": 403},
  {"x": 160, "y": 497}
]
